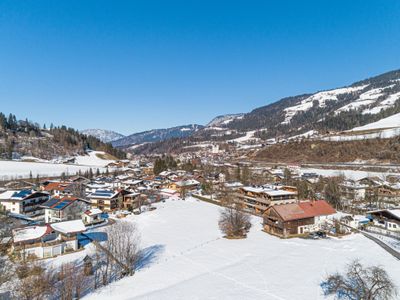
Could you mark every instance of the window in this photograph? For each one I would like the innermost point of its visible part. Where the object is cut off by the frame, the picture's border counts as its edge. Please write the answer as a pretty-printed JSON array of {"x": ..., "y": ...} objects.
[{"x": 394, "y": 226}]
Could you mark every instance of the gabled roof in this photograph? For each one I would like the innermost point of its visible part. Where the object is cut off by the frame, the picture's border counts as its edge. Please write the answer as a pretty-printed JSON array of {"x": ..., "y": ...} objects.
[
  {"x": 303, "y": 210},
  {"x": 60, "y": 203},
  {"x": 388, "y": 213},
  {"x": 93, "y": 211},
  {"x": 19, "y": 194},
  {"x": 106, "y": 194},
  {"x": 59, "y": 186}
]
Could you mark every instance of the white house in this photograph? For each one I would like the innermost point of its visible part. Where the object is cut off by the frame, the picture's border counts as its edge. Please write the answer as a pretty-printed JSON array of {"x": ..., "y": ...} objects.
[
  {"x": 25, "y": 202},
  {"x": 92, "y": 216},
  {"x": 64, "y": 209},
  {"x": 387, "y": 219}
]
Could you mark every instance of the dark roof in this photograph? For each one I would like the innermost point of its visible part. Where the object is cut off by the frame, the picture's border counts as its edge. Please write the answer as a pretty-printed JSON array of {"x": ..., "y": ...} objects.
[{"x": 59, "y": 203}]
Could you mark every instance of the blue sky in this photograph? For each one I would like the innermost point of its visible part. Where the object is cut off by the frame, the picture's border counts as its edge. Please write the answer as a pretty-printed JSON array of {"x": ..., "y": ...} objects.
[{"x": 136, "y": 65}]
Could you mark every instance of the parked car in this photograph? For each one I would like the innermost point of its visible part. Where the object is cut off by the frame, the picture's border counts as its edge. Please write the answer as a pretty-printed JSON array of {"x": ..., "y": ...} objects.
[{"x": 317, "y": 235}]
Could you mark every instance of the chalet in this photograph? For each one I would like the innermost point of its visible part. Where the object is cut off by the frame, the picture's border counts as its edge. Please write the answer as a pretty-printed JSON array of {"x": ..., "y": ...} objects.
[
  {"x": 389, "y": 194},
  {"x": 133, "y": 200},
  {"x": 187, "y": 184},
  {"x": 258, "y": 199},
  {"x": 64, "y": 209},
  {"x": 168, "y": 193},
  {"x": 292, "y": 219},
  {"x": 25, "y": 202},
  {"x": 107, "y": 200},
  {"x": 47, "y": 241},
  {"x": 58, "y": 189},
  {"x": 371, "y": 181},
  {"x": 131, "y": 184},
  {"x": 19, "y": 185},
  {"x": 79, "y": 180},
  {"x": 386, "y": 219},
  {"x": 354, "y": 221},
  {"x": 92, "y": 216}
]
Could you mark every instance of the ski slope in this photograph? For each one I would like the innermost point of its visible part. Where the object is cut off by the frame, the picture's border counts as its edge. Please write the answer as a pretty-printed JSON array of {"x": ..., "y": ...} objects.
[
  {"x": 93, "y": 159},
  {"x": 389, "y": 122},
  {"x": 188, "y": 259}
]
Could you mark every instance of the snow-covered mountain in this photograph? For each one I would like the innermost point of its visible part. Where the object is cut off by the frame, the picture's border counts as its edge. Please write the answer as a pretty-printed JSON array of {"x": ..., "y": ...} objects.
[
  {"x": 331, "y": 114},
  {"x": 339, "y": 109},
  {"x": 157, "y": 135},
  {"x": 105, "y": 136},
  {"x": 224, "y": 120}
]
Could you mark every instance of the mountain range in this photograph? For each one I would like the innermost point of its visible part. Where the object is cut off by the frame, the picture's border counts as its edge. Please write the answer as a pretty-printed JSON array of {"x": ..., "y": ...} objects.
[
  {"x": 365, "y": 109},
  {"x": 340, "y": 109},
  {"x": 103, "y": 135},
  {"x": 157, "y": 135}
]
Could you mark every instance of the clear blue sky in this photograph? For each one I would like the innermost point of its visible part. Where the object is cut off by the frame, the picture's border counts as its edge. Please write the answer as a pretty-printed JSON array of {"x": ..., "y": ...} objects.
[{"x": 135, "y": 65}]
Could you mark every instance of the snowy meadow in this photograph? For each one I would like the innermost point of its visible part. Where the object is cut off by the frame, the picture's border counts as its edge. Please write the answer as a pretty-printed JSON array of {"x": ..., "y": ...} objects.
[{"x": 187, "y": 258}]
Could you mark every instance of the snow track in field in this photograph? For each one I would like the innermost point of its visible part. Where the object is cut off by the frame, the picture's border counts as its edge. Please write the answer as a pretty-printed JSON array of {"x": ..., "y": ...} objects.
[{"x": 192, "y": 261}]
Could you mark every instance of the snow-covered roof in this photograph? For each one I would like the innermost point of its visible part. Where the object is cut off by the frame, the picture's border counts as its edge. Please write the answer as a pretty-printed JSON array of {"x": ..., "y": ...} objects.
[
  {"x": 29, "y": 233},
  {"x": 133, "y": 182},
  {"x": 253, "y": 189},
  {"x": 7, "y": 195},
  {"x": 168, "y": 191},
  {"x": 66, "y": 227},
  {"x": 278, "y": 192},
  {"x": 92, "y": 212},
  {"x": 395, "y": 212},
  {"x": 233, "y": 184},
  {"x": 106, "y": 194},
  {"x": 188, "y": 182},
  {"x": 268, "y": 191}
]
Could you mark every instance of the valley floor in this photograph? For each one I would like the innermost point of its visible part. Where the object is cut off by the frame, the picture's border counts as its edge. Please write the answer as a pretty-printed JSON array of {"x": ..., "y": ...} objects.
[
  {"x": 10, "y": 169},
  {"x": 188, "y": 259}
]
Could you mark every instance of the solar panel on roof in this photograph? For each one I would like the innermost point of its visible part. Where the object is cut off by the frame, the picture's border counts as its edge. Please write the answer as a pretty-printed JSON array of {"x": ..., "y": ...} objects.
[
  {"x": 62, "y": 204},
  {"x": 22, "y": 194},
  {"x": 51, "y": 202}
]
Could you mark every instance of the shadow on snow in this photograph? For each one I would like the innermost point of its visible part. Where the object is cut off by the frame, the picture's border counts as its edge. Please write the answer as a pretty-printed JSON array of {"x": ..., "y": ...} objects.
[{"x": 148, "y": 256}]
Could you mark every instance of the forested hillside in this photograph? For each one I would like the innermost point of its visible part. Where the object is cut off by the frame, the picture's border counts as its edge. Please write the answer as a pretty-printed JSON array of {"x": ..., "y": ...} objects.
[
  {"x": 26, "y": 138},
  {"x": 361, "y": 103}
]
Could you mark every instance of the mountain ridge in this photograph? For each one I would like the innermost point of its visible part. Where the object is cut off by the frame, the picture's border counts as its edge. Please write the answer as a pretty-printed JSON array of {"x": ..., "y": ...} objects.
[
  {"x": 333, "y": 110},
  {"x": 157, "y": 135},
  {"x": 103, "y": 135}
]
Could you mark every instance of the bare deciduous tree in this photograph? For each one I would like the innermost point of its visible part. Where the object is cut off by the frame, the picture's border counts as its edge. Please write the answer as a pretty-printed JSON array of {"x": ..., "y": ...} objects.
[
  {"x": 370, "y": 283},
  {"x": 38, "y": 283},
  {"x": 120, "y": 253},
  {"x": 234, "y": 223},
  {"x": 71, "y": 281}
]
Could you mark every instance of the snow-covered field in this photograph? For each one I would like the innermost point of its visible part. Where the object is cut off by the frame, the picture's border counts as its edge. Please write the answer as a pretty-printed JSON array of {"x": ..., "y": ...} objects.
[
  {"x": 249, "y": 136},
  {"x": 14, "y": 169},
  {"x": 389, "y": 122},
  {"x": 21, "y": 169},
  {"x": 350, "y": 174},
  {"x": 93, "y": 159},
  {"x": 188, "y": 259}
]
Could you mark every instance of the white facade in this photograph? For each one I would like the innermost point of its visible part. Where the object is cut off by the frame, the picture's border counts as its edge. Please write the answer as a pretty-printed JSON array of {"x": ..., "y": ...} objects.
[{"x": 51, "y": 250}]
